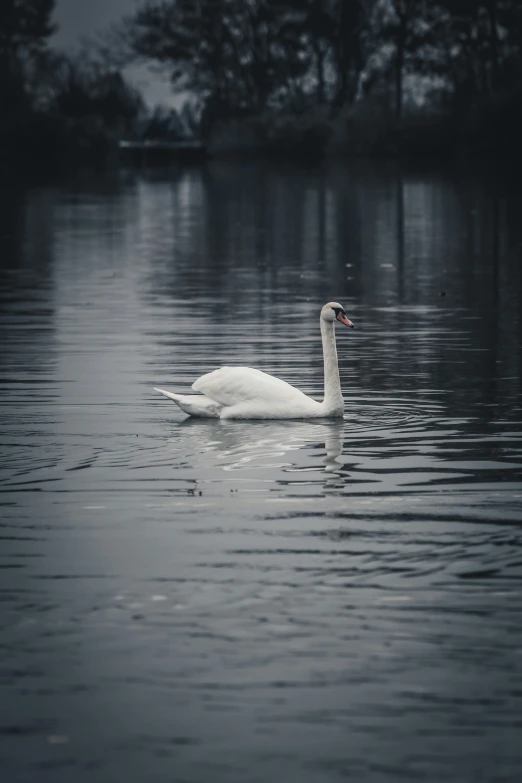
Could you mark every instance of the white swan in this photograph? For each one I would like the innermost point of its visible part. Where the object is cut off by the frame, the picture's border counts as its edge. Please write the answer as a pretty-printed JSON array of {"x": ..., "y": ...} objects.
[{"x": 244, "y": 393}]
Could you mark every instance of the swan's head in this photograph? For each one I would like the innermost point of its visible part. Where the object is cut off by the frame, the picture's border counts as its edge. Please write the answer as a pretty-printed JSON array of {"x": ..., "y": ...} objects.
[{"x": 333, "y": 311}]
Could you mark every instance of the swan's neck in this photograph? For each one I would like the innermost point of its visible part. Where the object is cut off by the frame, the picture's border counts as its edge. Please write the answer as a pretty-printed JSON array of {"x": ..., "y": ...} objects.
[{"x": 332, "y": 384}]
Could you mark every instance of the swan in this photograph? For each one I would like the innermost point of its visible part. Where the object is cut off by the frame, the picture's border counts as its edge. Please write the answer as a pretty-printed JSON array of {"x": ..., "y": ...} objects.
[{"x": 245, "y": 393}]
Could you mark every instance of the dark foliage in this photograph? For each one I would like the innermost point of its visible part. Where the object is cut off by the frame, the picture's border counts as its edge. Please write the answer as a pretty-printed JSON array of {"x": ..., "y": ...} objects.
[
  {"x": 248, "y": 59},
  {"x": 57, "y": 107},
  {"x": 368, "y": 76}
]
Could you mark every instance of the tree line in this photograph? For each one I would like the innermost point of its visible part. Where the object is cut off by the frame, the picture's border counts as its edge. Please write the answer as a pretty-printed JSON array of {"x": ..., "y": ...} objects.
[
  {"x": 61, "y": 106},
  {"x": 244, "y": 54},
  {"x": 291, "y": 70}
]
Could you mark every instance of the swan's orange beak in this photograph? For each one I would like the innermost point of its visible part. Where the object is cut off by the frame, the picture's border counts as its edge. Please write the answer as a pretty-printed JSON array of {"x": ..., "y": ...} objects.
[{"x": 344, "y": 320}]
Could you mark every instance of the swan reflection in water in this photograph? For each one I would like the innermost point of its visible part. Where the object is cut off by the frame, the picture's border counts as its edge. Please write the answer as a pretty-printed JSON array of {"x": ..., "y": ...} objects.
[{"x": 255, "y": 445}]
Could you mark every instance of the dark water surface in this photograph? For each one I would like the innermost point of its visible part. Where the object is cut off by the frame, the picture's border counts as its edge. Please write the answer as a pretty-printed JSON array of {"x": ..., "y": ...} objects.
[{"x": 306, "y": 602}]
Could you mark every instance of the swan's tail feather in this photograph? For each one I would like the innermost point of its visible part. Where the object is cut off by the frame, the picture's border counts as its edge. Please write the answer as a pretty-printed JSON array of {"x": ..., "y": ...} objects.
[
  {"x": 194, "y": 404},
  {"x": 170, "y": 395}
]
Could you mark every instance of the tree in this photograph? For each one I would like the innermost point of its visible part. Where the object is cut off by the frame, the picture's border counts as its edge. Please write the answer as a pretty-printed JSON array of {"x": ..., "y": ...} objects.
[
  {"x": 79, "y": 88},
  {"x": 162, "y": 123},
  {"x": 482, "y": 45},
  {"x": 311, "y": 25},
  {"x": 350, "y": 23},
  {"x": 25, "y": 26},
  {"x": 406, "y": 27},
  {"x": 235, "y": 55}
]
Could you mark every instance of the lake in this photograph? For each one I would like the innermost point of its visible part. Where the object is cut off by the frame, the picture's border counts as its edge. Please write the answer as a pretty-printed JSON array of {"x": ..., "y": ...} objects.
[{"x": 302, "y": 601}]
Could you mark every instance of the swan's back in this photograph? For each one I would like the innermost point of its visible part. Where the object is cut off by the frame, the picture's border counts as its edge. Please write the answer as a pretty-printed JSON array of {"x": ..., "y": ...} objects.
[{"x": 232, "y": 385}]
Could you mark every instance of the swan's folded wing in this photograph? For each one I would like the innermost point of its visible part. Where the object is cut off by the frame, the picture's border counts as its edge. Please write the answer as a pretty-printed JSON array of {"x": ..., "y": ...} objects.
[{"x": 232, "y": 385}]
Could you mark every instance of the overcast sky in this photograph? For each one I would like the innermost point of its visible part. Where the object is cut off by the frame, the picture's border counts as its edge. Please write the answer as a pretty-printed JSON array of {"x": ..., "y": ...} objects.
[{"x": 78, "y": 18}]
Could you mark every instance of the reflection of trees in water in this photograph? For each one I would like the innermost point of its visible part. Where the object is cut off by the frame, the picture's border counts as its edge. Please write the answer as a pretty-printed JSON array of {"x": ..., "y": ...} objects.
[
  {"x": 27, "y": 280},
  {"x": 248, "y": 239}
]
